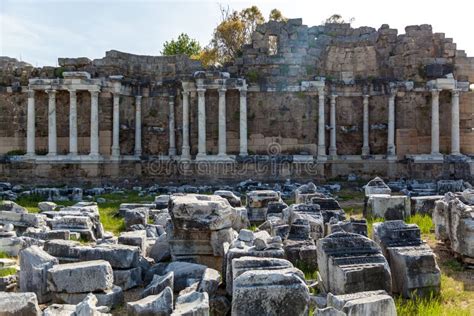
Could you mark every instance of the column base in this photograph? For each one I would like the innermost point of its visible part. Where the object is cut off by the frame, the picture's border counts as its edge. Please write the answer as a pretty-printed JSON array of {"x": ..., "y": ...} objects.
[
  {"x": 332, "y": 151},
  {"x": 172, "y": 152},
  {"x": 243, "y": 154},
  {"x": 138, "y": 153},
  {"x": 115, "y": 151},
  {"x": 321, "y": 158},
  {"x": 365, "y": 151},
  {"x": 391, "y": 158},
  {"x": 51, "y": 154}
]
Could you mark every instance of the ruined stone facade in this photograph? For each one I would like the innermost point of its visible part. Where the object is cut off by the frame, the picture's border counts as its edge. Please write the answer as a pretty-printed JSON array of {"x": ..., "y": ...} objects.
[{"x": 330, "y": 98}]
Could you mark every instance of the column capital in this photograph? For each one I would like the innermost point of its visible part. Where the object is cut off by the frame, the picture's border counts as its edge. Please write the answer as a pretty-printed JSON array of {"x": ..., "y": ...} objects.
[
  {"x": 201, "y": 89},
  {"x": 171, "y": 99},
  {"x": 94, "y": 93},
  {"x": 31, "y": 93},
  {"x": 185, "y": 93},
  {"x": 243, "y": 92},
  {"x": 435, "y": 91},
  {"x": 138, "y": 97},
  {"x": 393, "y": 93},
  {"x": 321, "y": 92},
  {"x": 51, "y": 92},
  {"x": 366, "y": 96},
  {"x": 334, "y": 96},
  {"x": 455, "y": 92},
  {"x": 222, "y": 89}
]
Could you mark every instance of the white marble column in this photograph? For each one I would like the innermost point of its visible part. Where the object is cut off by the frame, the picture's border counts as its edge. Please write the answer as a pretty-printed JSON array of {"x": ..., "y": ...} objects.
[
  {"x": 138, "y": 125},
  {"x": 332, "y": 118},
  {"x": 243, "y": 121},
  {"x": 455, "y": 137},
  {"x": 30, "y": 125},
  {"x": 52, "y": 135},
  {"x": 391, "y": 151},
  {"x": 435, "y": 122},
  {"x": 201, "y": 122},
  {"x": 222, "y": 146},
  {"x": 185, "y": 152},
  {"x": 366, "y": 146},
  {"x": 321, "y": 126},
  {"x": 94, "y": 138},
  {"x": 116, "y": 127},
  {"x": 72, "y": 122},
  {"x": 172, "y": 136}
]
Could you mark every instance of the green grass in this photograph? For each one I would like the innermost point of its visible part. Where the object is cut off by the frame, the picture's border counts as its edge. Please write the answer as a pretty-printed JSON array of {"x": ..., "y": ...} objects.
[
  {"x": 423, "y": 221},
  {"x": 31, "y": 202},
  {"x": 7, "y": 271},
  {"x": 450, "y": 302},
  {"x": 4, "y": 255},
  {"x": 347, "y": 195},
  {"x": 253, "y": 227}
]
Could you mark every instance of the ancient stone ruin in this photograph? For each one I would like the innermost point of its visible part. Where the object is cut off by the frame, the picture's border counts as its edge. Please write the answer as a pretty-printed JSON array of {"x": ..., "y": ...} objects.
[{"x": 225, "y": 191}]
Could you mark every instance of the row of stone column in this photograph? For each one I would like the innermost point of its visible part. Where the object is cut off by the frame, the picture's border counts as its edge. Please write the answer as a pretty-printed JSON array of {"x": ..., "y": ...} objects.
[
  {"x": 455, "y": 133},
  {"x": 391, "y": 149},
  {"x": 52, "y": 126},
  {"x": 222, "y": 129}
]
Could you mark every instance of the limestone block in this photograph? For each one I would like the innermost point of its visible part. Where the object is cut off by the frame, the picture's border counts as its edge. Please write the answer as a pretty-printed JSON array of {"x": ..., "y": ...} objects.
[
  {"x": 210, "y": 281},
  {"x": 160, "y": 250},
  {"x": 328, "y": 311},
  {"x": 12, "y": 245},
  {"x": 234, "y": 200},
  {"x": 424, "y": 204},
  {"x": 11, "y": 206},
  {"x": 110, "y": 298},
  {"x": 60, "y": 310},
  {"x": 161, "y": 201},
  {"x": 22, "y": 219},
  {"x": 468, "y": 196},
  {"x": 158, "y": 284},
  {"x": 119, "y": 256},
  {"x": 44, "y": 234},
  {"x": 363, "y": 303},
  {"x": 377, "y": 186},
  {"x": 350, "y": 263},
  {"x": 87, "y": 276},
  {"x": 219, "y": 238},
  {"x": 201, "y": 212},
  {"x": 289, "y": 294},
  {"x": 19, "y": 304},
  {"x": 137, "y": 216},
  {"x": 194, "y": 303},
  {"x": 34, "y": 265},
  {"x": 128, "y": 278},
  {"x": 257, "y": 204},
  {"x": 47, "y": 206},
  {"x": 159, "y": 305},
  {"x": 454, "y": 223},
  {"x": 388, "y": 207},
  {"x": 63, "y": 249},
  {"x": 183, "y": 271},
  {"x": 134, "y": 238},
  {"x": 414, "y": 271}
]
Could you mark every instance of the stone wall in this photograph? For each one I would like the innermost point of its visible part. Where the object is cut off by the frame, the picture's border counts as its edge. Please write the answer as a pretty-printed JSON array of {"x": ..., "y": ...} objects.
[{"x": 282, "y": 117}]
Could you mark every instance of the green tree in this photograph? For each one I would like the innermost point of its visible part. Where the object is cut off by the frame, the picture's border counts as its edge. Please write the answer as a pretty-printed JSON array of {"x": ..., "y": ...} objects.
[
  {"x": 184, "y": 45},
  {"x": 276, "y": 15},
  {"x": 234, "y": 31},
  {"x": 337, "y": 18}
]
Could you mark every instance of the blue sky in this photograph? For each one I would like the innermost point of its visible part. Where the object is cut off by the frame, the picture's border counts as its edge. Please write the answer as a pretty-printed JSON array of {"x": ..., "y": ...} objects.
[{"x": 40, "y": 31}]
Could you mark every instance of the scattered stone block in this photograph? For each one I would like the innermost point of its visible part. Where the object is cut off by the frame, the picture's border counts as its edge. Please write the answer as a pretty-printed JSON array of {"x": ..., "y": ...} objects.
[
  {"x": 363, "y": 303},
  {"x": 377, "y": 186},
  {"x": 210, "y": 281},
  {"x": 388, "y": 207},
  {"x": 80, "y": 277},
  {"x": 119, "y": 256},
  {"x": 134, "y": 238},
  {"x": 128, "y": 278},
  {"x": 136, "y": 216},
  {"x": 34, "y": 265},
  {"x": 47, "y": 206},
  {"x": 158, "y": 284},
  {"x": 157, "y": 305},
  {"x": 412, "y": 263},
  {"x": 424, "y": 205},
  {"x": 257, "y": 204},
  {"x": 289, "y": 294},
  {"x": 19, "y": 304},
  {"x": 110, "y": 298},
  {"x": 194, "y": 303},
  {"x": 350, "y": 263}
]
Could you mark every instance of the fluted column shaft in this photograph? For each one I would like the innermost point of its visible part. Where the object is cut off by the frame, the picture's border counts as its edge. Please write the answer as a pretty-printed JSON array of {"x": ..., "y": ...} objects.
[
  {"x": 222, "y": 148},
  {"x": 94, "y": 139},
  {"x": 138, "y": 125},
  {"x": 171, "y": 126},
  {"x": 321, "y": 125},
  {"x": 30, "y": 125},
  {"x": 366, "y": 146},
  {"x": 52, "y": 130},
  {"x": 201, "y": 121},
  {"x": 72, "y": 122},
  {"x": 391, "y": 125},
  {"x": 435, "y": 121},
  {"x": 185, "y": 153},
  {"x": 455, "y": 137},
  {"x": 116, "y": 126},
  {"x": 243, "y": 122},
  {"x": 332, "y": 118}
]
